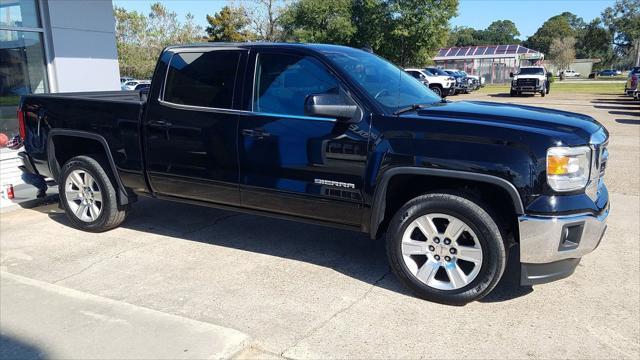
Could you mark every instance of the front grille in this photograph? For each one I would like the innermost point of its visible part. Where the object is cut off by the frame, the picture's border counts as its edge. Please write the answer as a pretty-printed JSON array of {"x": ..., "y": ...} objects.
[{"x": 527, "y": 82}]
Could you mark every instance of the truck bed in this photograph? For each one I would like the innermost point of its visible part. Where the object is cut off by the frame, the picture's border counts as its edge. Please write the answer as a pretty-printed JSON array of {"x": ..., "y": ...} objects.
[
  {"x": 119, "y": 96},
  {"x": 112, "y": 115}
]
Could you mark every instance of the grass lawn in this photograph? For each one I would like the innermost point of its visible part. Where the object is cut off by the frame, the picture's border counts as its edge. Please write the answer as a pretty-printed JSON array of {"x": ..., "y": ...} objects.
[
  {"x": 559, "y": 87},
  {"x": 9, "y": 100}
]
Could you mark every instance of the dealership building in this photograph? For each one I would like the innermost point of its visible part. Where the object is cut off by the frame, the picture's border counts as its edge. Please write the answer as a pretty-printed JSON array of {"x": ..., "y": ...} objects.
[
  {"x": 493, "y": 62},
  {"x": 51, "y": 46}
]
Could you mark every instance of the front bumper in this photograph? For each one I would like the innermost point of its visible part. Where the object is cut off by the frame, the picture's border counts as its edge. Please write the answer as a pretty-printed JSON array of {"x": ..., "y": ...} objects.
[
  {"x": 526, "y": 88},
  {"x": 551, "y": 247}
]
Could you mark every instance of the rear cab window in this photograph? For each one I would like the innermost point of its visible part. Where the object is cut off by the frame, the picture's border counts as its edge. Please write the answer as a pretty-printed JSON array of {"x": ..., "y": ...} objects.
[{"x": 203, "y": 79}]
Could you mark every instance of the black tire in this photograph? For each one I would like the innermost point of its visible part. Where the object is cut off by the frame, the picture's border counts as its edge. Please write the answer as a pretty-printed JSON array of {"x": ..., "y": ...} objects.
[
  {"x": 472, "y": 213},
  {"x": 512, "y": 93},
  {"x": 438, "y": 90},
  {"x": 543, "y": 92},
  {"x": 110, "y": 215}
]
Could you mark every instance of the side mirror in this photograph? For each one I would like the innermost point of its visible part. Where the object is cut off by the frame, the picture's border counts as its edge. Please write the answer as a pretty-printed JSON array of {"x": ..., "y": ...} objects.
[
  {"x": 510, "y": 74},
  {"x": 330, "y": 105},
  {"x": 548, "y": 75}
]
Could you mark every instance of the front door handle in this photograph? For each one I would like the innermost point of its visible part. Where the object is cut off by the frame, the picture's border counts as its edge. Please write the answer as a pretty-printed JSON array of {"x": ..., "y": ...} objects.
[{"x": 160, "y": 123}]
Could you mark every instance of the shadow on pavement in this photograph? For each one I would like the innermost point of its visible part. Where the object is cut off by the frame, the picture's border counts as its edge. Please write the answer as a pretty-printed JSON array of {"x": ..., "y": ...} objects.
[
  {"x": 11, "y": 348},
  {"x": 347, "y": 252},
  {"x": 618, "y": 107},
  {"x": 34, "y": 203},
  {"x": 629, "y": 113},
  {"x": 507, "y": 95},
  {"x": 628, "y": 121}
]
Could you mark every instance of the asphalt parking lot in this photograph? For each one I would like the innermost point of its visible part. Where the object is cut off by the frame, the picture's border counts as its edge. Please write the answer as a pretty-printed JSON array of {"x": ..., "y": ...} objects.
[{"x": 210, "y": 283}]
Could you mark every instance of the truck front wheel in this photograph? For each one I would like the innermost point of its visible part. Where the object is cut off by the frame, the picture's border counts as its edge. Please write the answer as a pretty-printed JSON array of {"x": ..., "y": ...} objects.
[
  {"x": 89, "y": 195},
  {"x": 446, "y": 248},
  {"x": 438, "y": 90}
]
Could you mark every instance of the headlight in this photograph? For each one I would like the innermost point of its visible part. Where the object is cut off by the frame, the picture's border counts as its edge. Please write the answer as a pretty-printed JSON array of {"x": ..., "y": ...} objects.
[{"x": 568, "y": 167}]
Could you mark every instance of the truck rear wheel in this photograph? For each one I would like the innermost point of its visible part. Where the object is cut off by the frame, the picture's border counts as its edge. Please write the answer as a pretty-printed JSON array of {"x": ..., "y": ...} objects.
[
  {"x": 446, "y": 248},
  {"x": 89, "y": 195}
]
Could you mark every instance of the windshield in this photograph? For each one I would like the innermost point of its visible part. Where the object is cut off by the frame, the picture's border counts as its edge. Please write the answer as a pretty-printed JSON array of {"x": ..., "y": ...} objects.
[
  {"x": 531, "y": 71},
  {"x": 388, "y": 84},
  {"x": 438, "y": 72}
]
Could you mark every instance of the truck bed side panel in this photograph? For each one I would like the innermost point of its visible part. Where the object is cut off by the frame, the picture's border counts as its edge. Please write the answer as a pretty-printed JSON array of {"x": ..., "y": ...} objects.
[{"x": 115, "y": 117}]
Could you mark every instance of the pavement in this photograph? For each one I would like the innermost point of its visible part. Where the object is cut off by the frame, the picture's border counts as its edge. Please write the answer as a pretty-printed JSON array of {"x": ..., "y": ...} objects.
[{"x": 260, "y": 288}]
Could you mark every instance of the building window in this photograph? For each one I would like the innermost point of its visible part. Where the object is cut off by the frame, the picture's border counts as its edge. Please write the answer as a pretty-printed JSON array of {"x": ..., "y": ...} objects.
[{"x": 22, "y": 62}]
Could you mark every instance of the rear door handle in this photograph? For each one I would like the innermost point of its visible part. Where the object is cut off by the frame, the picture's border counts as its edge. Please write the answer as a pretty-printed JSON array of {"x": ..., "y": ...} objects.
[
  {"x": 160, "y": 123},
  {"x": 258, "y": 133}
]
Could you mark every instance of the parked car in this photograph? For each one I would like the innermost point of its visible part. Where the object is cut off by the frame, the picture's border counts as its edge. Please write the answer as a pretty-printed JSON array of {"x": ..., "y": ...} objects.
[
  {"x": 530, "y": 79},
  {"x": 144, "y": 85},
  {"x": 442, "y": 85},
  {"x": 443, "y": 76},
  {"x": 631, "y": 86},
  {"x": 477, "y": 79},
  {"x": 570, "y": 73},
  {"x": 462, "y": 82},
  {"x": 125, "y": 79},
  {"x": 131, "y": 85},
  {"x": 608, "y": 73},
  {"x": 337, "y": 136},
  {"x": 473, "y": 81}
]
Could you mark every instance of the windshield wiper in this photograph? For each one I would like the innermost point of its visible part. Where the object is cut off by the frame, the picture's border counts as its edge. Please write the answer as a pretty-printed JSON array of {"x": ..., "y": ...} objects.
[{"x": 408, "y": 108}]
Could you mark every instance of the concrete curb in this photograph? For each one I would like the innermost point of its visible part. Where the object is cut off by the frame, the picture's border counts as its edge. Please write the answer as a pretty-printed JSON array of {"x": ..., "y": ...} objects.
[{"x": 65, "y": 323}]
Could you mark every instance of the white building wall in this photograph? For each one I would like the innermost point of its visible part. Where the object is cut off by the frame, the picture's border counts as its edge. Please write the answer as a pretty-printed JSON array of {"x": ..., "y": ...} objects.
[
  {"x": 81, "y": 55},
  {"x": 82, "y": 49}
]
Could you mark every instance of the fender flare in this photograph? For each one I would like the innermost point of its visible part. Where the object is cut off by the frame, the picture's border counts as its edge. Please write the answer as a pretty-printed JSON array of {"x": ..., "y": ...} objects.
[
  {"x": 379, "y": 202},
  {"x": 54, "y": 166}
]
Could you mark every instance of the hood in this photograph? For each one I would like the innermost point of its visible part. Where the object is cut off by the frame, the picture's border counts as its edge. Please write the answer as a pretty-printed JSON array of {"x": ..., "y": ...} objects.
[
  {"x": 532, "y": 76},
  {"x": 566, "y": 127}
]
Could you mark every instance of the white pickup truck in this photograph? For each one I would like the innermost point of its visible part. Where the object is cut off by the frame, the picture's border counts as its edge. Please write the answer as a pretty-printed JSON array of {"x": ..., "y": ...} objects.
[
  {"x": 441, "y": 83},
  {"x": 530, "y": 79}
]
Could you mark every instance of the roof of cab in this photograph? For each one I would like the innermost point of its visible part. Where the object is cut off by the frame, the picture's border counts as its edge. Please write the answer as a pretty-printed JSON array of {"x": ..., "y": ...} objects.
[{"x": 316, "y": 47}]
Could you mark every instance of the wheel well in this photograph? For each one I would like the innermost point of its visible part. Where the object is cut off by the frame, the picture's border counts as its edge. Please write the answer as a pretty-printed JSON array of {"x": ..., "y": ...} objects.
[
  {"x": 404, "y": 187},
  {"x": 66, "y": 147},
  {"x": 435, "y": 85}
]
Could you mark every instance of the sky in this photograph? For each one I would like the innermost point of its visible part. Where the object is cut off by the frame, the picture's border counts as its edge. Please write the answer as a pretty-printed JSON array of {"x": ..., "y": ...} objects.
[{"x": 528, "y": 15}]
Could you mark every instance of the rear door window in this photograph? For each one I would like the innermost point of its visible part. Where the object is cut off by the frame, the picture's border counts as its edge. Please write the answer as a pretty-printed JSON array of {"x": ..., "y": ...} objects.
[{"x": 205, "y": 79}]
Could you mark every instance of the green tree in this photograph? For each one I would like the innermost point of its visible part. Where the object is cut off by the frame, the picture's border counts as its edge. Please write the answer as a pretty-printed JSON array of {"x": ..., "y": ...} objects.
[
  {"x": 140, "y": 38},
  {"x": 595, "y": 42},
  {"x": 623, "y": 20},
  {"x": 501, "y": 32},
  {"x": 416, "y": 30},
  {"x": 465, "y": 36},
  {"x": 558, "y": 26},
  {"x": 370, "y": 18},
  {"x": 231, "y": 23},
  {"x": 319, "y": 21}
]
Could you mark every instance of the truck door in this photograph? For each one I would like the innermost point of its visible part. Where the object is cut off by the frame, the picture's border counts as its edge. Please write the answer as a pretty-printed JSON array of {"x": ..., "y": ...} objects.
[
  {"x": 191, "y": 129},
  {"x": 292, "y": 163}
]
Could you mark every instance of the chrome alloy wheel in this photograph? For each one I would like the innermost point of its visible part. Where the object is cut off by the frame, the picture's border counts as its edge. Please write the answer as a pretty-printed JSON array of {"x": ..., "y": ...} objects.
[
  {"x": 441, "y": 251},
  {"x": 83, "y": 195}
]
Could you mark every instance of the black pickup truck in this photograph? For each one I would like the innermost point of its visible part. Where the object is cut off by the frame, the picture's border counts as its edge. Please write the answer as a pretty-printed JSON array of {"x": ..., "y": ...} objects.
[{"x": 338, "y": 136}]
